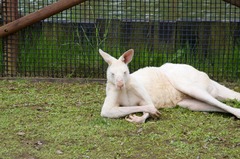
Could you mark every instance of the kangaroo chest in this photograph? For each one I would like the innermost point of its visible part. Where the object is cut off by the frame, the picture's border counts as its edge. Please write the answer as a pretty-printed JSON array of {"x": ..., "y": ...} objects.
[{"x": 128, "y": 98}]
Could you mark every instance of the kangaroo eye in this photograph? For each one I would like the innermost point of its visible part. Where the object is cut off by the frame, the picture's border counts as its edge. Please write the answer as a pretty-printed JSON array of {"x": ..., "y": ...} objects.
[
  {"x": 125, "y": 72},
  {"x": 112, "y": 74}
]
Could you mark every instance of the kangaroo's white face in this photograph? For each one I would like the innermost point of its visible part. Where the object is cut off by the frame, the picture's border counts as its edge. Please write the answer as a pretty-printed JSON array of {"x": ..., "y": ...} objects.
[{"x": 118, "y": 72}]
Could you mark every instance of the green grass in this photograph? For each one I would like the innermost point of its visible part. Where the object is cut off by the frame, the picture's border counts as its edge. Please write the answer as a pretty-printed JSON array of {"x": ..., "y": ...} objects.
[{"x": 62, "y": 120}]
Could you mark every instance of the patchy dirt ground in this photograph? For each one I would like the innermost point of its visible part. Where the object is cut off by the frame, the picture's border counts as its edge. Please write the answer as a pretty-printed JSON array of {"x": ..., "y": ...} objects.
[{"x": 62, "y": 120}]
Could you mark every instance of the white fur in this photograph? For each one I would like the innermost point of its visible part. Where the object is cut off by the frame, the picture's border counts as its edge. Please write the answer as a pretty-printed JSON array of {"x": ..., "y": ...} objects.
[{"x": 151, "y": 88}]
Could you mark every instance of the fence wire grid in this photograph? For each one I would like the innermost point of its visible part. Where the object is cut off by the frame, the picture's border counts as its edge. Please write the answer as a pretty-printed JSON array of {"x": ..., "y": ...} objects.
[{"x": 202, "y": 33}]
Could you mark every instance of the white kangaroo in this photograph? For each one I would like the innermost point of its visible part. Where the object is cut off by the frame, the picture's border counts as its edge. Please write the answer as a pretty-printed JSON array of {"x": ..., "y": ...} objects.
[{"x": 151, "y": 88}]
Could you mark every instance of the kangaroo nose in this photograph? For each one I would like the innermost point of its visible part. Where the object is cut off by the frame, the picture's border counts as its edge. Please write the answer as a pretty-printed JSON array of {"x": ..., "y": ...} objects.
[{"x": 120, "y": 84}]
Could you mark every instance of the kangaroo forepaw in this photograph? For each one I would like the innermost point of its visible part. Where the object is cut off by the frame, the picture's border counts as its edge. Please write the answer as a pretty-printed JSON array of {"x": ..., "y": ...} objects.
[{"x": 136, "y": 119}]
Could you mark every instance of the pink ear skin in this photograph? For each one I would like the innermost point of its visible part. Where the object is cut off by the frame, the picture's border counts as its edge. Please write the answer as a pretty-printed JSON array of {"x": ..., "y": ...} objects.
[{"x": 127, "y": 56}]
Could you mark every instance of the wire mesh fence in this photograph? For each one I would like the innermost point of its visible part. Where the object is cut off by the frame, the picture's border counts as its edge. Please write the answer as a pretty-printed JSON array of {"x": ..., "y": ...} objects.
[{"x": 202, "y": 33}]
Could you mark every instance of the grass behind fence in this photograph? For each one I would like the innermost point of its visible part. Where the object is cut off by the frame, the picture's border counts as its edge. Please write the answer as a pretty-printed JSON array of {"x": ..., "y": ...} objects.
[
  {"x": 55, "y": 55},
  {"x": 55, "y": 52},
  {"x": 74, "y": 53}
]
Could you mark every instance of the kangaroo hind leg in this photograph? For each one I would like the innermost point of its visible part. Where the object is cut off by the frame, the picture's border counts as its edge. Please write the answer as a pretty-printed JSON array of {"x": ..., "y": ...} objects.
[
  {"x": 196, "y": 105},
  {"x": 205, "y": 97},
  {"x": 222, "y": 93}
]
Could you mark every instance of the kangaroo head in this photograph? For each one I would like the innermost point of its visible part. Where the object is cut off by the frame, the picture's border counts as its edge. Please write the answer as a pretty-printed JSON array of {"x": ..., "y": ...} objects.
[{"x": 118, "y": 72}]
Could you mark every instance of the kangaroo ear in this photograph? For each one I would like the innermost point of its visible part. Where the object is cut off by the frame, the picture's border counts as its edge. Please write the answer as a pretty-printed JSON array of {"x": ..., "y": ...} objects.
[
  {"x": 108, "y": 58},
  {"x": 127, "y": 56}
]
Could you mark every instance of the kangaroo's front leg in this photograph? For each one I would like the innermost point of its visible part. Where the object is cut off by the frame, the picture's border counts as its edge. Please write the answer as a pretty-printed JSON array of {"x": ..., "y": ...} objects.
[
  {"x": 112, "y": 109},
  {"x": 117, "y": 112}
]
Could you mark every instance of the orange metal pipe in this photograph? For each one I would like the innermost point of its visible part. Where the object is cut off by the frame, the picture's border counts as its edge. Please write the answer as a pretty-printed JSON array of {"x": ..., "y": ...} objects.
[
  {"x": 233, "y": 2},
  {"x": 37, "y": 16}
]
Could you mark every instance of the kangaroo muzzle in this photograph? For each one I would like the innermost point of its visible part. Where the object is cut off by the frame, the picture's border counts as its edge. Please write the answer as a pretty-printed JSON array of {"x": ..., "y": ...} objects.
[{"x": 120, "y": 83}]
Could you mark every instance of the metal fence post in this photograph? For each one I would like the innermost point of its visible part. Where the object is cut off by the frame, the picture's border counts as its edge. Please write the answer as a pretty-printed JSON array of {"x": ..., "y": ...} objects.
[{"x": 10, "y": 43}]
